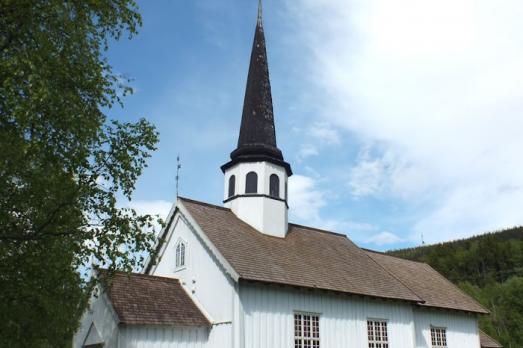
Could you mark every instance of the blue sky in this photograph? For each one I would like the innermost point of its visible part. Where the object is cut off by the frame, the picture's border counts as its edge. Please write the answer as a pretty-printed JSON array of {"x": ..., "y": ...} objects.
[{"x": 399, "y": 118}]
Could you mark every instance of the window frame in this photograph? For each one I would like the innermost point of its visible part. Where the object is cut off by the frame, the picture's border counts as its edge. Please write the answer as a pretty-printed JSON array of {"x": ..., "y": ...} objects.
[
  {"x": 255, "y": 175},
  {"x": 231, "y": 190},
  {"x": 182, "y": 244},
  {"x": 438, "y": 341},
  {"x": 381, "y": 340},
  {"x": 276, "y": 187},
  {"x": 299, "y": 337}
]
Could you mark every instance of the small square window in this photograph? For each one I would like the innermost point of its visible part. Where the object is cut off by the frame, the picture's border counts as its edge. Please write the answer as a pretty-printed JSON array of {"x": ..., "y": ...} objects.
[
  {"x": 438, "y": 337},
  {"x": 377, "y": 334},
  {"x": 306, "y": 330}
]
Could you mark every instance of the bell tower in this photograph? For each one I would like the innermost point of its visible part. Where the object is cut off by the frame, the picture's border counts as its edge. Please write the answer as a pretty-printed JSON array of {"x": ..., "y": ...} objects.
[{"x": 256, "y": 176}]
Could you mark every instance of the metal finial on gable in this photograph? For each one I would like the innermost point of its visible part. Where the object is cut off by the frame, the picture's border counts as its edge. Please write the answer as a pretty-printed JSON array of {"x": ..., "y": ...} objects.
[{"x": 178, "y": 167}]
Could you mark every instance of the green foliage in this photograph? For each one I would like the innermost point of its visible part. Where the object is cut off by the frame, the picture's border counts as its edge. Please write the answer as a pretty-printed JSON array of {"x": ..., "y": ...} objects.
[
  {"x": 489, "y": 268},
  {"x": 506, "y": 306},
  {"x": 63, "y": 163}
]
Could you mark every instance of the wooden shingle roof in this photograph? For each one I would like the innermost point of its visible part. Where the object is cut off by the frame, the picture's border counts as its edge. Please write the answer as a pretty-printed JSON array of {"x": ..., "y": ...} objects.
[
  {"x": 140, "y": 299},
  {"x": 435, "y": 290},
  {"x": 488, "y": 342},
  {"x": 313, "y": 258}
]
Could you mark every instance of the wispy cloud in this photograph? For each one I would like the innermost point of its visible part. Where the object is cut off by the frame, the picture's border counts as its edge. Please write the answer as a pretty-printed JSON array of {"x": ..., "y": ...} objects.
[
  {"x": 156, "y": 207},
  {"x": 306, "y": 201},
  {"x": 325, "y": 133},
  {"x": 440, "y": 105},
  {"x": 384, "y": 238},
  {"x": 307, "y": 150},
  {"x": 305, "y": 198}
]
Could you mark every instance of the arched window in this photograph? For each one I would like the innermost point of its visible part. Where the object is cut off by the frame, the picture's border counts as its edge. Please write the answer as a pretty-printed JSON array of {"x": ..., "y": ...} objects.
[
  {"x": 274, "y": 186},
  {"x": 251, "y": 183},
  {"x": 232, "y": 184},
  {"x": 180, "y": 254}
]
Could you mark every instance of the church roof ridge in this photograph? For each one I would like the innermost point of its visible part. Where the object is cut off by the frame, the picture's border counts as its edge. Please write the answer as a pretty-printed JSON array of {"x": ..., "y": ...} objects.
[{"x": 315, "y": 229}]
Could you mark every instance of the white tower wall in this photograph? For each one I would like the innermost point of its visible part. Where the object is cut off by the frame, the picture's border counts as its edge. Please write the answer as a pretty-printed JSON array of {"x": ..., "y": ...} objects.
[{"x": 262, "y": 211}]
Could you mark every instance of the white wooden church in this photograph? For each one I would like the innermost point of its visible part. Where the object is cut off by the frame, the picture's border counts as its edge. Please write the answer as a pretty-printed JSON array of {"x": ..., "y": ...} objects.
[{"x": 241, "y": 276}]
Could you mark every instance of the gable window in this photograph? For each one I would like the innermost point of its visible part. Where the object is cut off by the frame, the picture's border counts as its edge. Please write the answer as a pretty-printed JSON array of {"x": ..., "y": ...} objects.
[
  {"x": 274, "y": 186},
  {"x": 438, "y": 337},
  {"x": 306, "y": 330},
  {"x": 377, "y": 333},
  {"x": 232, "y": 184},
  {"x": 180, "y": 254},
  {"x": 251, "y": 183}
]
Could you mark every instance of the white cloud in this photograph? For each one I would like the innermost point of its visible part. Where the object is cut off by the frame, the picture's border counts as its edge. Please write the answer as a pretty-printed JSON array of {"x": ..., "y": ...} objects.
[
  {"x": 305, "y": 199},
  {"x": 384, "y": 238},
  {"x": 436, "y": 89},
  {"x": 325, "y": 133},
  {"x": 156, "y": 207},
  {"x": 307, "y": 150}
]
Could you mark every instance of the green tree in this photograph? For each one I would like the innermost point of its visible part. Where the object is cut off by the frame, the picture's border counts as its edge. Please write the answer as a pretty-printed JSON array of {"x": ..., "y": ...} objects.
[
  {"x": 63, "y": 163},
  {"x": 504, "y": 301}
]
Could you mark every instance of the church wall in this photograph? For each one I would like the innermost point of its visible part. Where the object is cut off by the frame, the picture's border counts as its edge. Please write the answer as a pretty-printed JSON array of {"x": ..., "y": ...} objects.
[
  {"x": 104, "y": 318},
  {"x": 202, "y": 277},
  {"x": 269, "y": 317},
  {"x": 462, "y": 328},
  {"x": 168, "y": 337}
]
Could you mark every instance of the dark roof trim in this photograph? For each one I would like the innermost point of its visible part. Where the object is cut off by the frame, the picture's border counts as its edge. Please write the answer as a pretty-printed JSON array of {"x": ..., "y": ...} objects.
[
  {"x": 257, "y": 195},
  {"x": 251, "y": 158},
  {"x": 161, "y": 242}
]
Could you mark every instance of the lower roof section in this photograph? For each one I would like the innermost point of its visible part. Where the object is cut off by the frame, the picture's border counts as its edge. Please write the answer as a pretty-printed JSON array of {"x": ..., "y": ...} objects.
[
  {"x": 140, "y": 299},
  {"x": 487, "y": 341}
]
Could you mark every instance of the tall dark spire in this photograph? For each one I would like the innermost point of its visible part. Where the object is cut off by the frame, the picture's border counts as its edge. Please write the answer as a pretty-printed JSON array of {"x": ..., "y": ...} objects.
[{"x": 257, "y": 140}]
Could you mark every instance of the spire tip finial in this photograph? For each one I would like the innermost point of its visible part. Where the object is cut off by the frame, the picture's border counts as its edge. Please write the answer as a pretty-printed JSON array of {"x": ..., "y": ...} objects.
[{"x": 260, "y": 12}]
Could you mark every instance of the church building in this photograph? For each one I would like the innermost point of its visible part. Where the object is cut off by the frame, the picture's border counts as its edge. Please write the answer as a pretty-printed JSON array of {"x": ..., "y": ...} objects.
[{"x": 242, "y": 276}]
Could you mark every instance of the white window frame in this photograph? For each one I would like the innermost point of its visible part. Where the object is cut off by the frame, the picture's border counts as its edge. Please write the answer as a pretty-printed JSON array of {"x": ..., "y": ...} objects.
[
  {"x": 381, "y": 340},
  {"x": 438, "y": 337},
  {"x": 301, "y": 340},
  {"x": 178, "y": 264}
]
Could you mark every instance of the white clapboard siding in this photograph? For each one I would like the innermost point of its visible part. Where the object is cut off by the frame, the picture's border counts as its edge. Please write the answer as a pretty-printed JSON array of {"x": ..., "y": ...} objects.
[
  {"x": 269, "y": 313},
  {"x": 101, "y": 314},
  {"x": 462, "y": 328},
  {"x": 166, "y": 337},
  {"x": 203, "y": 276}
]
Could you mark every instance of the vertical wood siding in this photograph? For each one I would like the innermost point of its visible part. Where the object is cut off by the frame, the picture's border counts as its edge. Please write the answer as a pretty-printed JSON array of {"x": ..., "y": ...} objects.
[
  {"x": 102, "y": 315},
  {"x": 166, "y": 337},
  {"x": 462, "y": 329},
  {"x": 269, "y": 313},
  {"x": 203, "y": 276}
]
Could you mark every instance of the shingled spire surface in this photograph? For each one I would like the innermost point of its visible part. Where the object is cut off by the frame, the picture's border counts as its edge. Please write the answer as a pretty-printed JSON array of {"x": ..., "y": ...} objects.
[{"x": 257, "y": 140}]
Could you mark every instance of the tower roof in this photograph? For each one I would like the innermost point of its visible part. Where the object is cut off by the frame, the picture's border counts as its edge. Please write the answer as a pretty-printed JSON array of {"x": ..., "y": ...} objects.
[{"x": 257, "y": 139}]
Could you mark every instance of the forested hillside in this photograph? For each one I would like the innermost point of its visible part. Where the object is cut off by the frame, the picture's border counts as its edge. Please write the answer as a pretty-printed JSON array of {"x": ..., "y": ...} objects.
[{"x": 490, "y": 268}]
